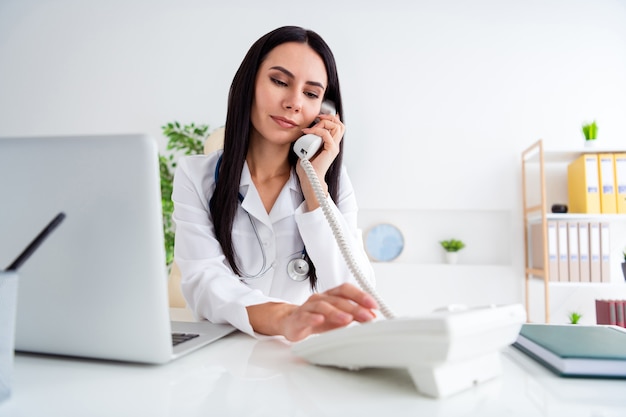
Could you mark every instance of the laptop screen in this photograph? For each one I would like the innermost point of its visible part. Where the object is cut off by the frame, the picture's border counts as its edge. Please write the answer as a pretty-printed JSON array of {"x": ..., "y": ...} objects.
[{"x": 101, "y": 277}]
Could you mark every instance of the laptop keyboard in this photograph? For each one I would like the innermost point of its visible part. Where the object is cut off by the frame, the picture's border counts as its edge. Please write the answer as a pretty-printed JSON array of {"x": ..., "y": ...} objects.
[{"x": 178, "y": 338}]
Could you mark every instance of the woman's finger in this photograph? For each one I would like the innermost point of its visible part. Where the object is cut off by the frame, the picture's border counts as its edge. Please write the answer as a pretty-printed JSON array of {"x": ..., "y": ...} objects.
[{"x": 351, "y": 292}]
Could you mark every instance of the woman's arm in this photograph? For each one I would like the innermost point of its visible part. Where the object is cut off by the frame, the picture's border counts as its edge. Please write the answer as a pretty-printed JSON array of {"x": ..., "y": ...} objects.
[{"x": 210, "y": 287}]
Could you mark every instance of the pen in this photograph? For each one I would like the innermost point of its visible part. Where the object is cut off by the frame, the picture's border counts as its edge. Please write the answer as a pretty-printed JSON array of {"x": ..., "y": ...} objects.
[{"x": 30, "y": 249}]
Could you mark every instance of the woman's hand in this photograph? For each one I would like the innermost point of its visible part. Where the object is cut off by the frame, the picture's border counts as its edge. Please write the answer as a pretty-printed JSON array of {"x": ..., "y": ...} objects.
[
  {"x": 325, "y": 311},
  {"x": 331, "y": 130}
]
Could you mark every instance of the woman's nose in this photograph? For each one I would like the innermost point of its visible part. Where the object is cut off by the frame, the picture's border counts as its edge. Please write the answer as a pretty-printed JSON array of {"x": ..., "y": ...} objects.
[{"x": 293, "y": 102}]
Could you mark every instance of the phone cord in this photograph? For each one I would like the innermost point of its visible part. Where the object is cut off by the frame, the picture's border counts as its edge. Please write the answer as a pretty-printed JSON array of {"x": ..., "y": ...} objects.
[{"x": 341, "y": 240}]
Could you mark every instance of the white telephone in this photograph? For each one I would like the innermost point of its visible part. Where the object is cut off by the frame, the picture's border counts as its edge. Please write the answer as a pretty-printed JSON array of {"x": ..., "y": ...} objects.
[
  {"x": 445, "y": 352},
  {"x": 308, "y": 145}
]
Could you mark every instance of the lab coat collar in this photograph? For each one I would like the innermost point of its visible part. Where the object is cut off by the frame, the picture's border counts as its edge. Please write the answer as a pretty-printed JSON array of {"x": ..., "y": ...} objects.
[{"x": 289, "y": 199}]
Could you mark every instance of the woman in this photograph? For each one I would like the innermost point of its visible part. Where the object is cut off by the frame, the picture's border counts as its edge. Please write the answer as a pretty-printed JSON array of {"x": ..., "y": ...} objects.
[{"x": 245, "y": 215}]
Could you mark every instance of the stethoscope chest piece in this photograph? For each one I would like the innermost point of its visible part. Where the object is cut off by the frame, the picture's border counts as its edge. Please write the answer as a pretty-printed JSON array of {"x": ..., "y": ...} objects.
[{"x": 298, "y": 269}]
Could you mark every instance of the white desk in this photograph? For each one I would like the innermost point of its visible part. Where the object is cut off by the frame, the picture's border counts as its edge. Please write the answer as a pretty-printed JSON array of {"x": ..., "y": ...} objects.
[{"x": 240, "y": 376}]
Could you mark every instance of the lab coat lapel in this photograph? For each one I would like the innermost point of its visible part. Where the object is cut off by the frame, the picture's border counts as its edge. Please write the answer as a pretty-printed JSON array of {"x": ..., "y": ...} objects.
[
  {"x": 289, "y": 199},
  {"x": 251, "y": 200}
]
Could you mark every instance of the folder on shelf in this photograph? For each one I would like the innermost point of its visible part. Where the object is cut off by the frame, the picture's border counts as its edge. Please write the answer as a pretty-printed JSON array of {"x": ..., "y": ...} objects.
[
  {"x": 608, "y": 200},
  {"x": 563, "y": 251},
  {"x": 582, "y": 185},
  {"x": 573, "y": 256},
  {"x": 583, "y": 251},
  {"x": 595, "y": 272},
  {"x": 620, "y": 181},
  {"x": 537, "y": 247},
  {"x": 619, "y": 312},
  {"x": 605, "y": 312},
  {"x": 605, "y": 252}
]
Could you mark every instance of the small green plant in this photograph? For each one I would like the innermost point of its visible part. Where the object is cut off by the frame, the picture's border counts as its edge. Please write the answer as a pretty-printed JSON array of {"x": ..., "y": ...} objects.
[
  {"x": 590, "y": 131},
  {"x": 624, "y": 253},
  {"x": 183, "y": 140},
  {"x": 452, "y": 245},
  {"x": 574, "y": 317}
]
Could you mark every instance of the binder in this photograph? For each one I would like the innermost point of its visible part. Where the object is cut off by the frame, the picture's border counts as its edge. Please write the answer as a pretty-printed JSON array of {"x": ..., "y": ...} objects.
[
  {"x": 573, "y": 257},
  {"x": 619, "y": 312},
  {"x": 612, "y": 312},
  {"x": 608, "y": 200},
  {"x": 537, "y": 249},
  {"x": 582, "y": 185},
  {"x": 563, "y": 251},
  {"x": 553, "y": 250},
  {"x": 595, "y": 272},
  {"x": 605, "y": 252},
  {"x": 603, "y": 312},
  {"x": 583, "y": 251},
  {"x": 620, "y": 181}
]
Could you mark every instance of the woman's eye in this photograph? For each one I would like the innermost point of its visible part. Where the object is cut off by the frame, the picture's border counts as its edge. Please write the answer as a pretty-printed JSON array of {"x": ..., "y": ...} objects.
[
  {"x": 310, "y": 94},
  {"x": 278, "y": 82}
]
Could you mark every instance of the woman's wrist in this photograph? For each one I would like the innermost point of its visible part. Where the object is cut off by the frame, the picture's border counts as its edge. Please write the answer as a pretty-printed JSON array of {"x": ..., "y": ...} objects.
[
  {"x": 310, "y": 198},
  {"x": 269, "y": 318}
]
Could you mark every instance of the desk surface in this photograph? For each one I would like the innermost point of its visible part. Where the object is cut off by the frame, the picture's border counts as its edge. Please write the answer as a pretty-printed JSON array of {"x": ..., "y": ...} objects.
[{"x": 241, "y": 376}]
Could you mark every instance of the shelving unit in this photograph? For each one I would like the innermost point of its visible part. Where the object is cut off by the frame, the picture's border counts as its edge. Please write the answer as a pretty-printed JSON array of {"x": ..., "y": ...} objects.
[{"x": 537, "y": 211}]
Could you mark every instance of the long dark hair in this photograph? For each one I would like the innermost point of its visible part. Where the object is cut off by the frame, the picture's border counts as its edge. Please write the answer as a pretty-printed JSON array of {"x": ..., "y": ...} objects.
[{"x": 224, "y": 202}]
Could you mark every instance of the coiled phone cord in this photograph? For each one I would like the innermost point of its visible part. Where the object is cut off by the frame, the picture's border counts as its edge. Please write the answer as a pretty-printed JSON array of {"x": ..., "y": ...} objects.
[{"x": 341, "y": 240}]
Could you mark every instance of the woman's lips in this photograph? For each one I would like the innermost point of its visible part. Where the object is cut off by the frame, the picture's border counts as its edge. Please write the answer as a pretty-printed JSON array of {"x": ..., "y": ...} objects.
[{"x": 283, "y": 122}]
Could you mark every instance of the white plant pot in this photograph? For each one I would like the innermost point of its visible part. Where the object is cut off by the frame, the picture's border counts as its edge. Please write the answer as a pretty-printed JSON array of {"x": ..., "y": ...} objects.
[
  {"x": 452, "y": 257},
  {"x": 590, "y": 143}
]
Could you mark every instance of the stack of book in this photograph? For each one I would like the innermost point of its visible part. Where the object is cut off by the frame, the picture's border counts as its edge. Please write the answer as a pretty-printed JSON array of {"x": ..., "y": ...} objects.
[
  {"x": 611, "y": 312},
  {"x": 578, "y": 251},
  {"x": 576, "y": 350}
]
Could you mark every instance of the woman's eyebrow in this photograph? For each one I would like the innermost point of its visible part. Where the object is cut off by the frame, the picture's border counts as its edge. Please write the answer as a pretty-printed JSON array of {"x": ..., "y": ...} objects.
[{"x": 290, "y": 75}]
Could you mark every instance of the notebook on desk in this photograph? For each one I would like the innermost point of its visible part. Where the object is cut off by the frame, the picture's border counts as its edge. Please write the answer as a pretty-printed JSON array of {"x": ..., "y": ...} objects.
[
  {"x": 576, "y": 350},
  {"x": 98, "y": 287}
]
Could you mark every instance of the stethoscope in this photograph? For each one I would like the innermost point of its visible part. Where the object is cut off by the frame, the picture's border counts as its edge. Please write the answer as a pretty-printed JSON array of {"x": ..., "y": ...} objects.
[{"x": 298, "y": 268}]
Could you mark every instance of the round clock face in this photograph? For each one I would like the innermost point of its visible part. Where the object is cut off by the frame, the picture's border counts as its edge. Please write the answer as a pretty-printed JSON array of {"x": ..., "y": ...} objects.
[{"x": 384, "y": 242}]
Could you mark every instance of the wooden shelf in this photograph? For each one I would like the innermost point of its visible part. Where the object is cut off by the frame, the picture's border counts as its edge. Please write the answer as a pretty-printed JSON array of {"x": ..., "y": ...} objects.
[
  {"x": 536, "y": 217},
  {"x": 538, "y": 213}
]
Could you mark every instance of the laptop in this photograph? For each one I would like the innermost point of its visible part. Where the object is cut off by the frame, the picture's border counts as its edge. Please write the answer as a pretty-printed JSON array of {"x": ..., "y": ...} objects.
[{"x": 97, "y": 287}]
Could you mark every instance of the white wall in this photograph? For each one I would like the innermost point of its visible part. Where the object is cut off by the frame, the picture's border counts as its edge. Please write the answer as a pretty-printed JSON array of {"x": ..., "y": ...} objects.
[{"x": 440, "y": 97}]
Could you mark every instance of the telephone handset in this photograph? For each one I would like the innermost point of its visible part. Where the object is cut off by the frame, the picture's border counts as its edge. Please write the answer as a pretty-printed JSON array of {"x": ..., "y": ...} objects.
[{"x": 308, "y": 145}]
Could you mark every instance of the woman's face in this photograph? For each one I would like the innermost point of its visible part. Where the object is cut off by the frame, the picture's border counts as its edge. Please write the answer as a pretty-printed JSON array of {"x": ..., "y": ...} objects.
[{"x": 289, "y": 88}]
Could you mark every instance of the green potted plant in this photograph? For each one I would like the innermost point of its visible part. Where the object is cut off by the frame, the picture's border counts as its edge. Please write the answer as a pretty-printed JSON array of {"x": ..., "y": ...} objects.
[
  {"x": 452, "y": 247},
  {"x": 182, "y": 140},
  {"x": 590, "y": 131},
  {"x": 574, "y": 317}
]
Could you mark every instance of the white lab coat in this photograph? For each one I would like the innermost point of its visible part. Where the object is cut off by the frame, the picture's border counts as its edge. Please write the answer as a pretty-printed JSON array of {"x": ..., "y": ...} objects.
[{"x": 209, "y": 285}]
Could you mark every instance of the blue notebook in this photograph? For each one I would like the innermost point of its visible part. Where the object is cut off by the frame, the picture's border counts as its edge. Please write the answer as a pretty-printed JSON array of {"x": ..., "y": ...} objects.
[{"x": 576, "y": 350}]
